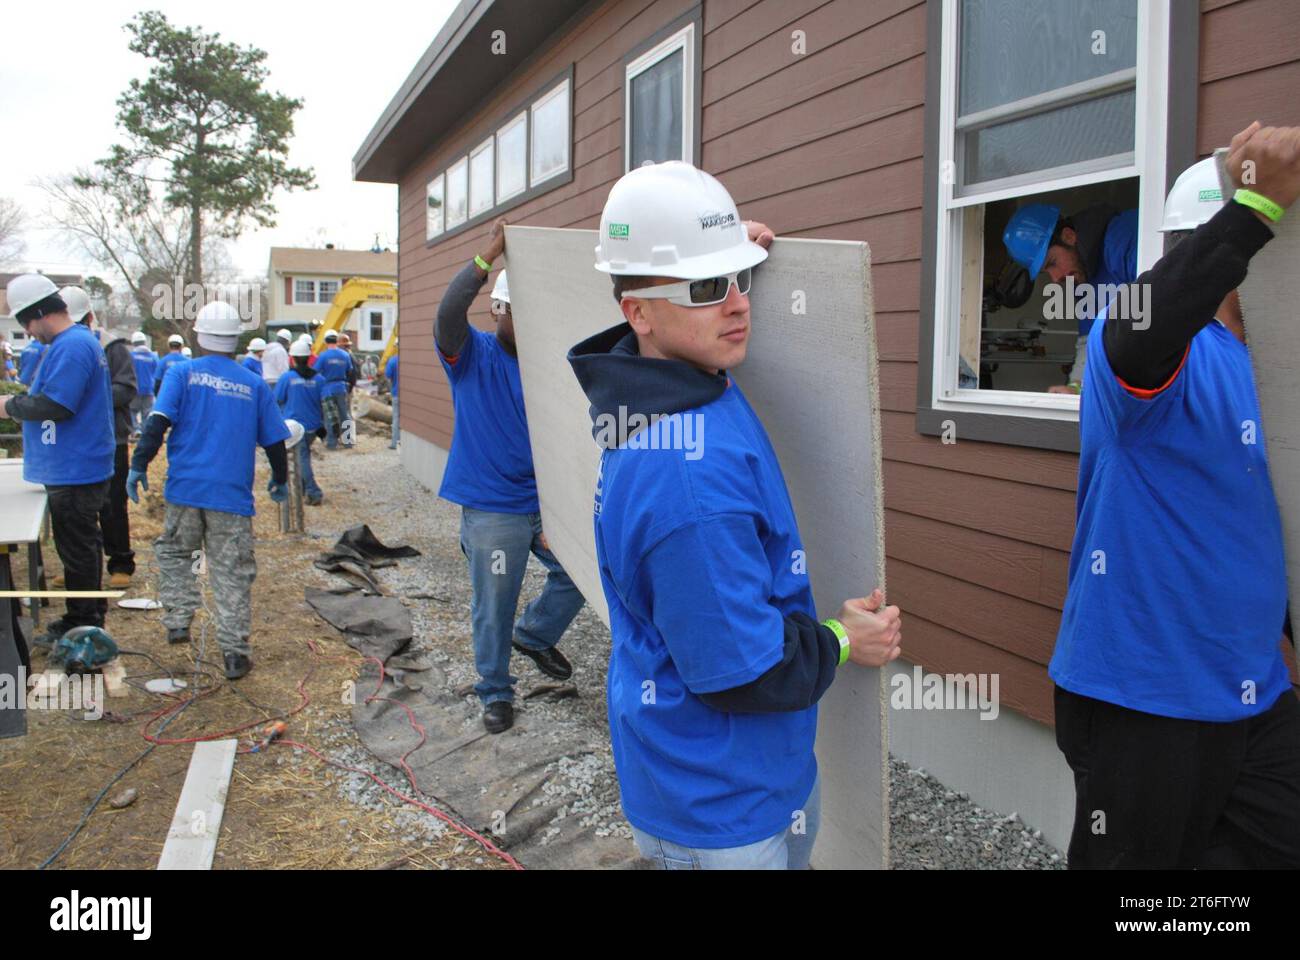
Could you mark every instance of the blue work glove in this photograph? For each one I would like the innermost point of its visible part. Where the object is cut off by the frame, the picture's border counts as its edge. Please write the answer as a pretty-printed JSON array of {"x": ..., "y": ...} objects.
[
  {"x": 279, "y": 491},
  {"x": 134, "y": 477}
]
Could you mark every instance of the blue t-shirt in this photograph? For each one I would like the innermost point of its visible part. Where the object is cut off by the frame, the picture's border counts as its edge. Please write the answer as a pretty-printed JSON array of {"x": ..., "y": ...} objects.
[
  {"x": 166, "y": 363},
  {"x": 30, "y": 359},
  {"x": 220, "y": 414},
  {"x": 146, "y": 369},
  {"x": 1119, "y": 248},
  {"x": 299, "y": 399},
  {"x": 391, "y": 371},
  {"x": 1177, "y": 589},
  {"x": 251, "y": 362},
  {"x": 490, "y": 466},
  {"x": 699, "y": 559},
  {"x": 73, "y": 372},
  {"x": 333, "y": 366}
]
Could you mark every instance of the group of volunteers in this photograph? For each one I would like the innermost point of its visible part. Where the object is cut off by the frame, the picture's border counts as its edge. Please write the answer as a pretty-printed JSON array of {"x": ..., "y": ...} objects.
[{"x": 1175, "y": 715}]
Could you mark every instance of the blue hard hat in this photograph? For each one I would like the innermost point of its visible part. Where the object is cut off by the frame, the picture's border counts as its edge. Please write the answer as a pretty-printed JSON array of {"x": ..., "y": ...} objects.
[{"x": 1029, "y": 234}]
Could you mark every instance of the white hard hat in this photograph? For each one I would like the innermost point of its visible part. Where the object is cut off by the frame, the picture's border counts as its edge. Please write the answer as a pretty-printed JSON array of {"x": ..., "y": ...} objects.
[
  {"x": 673, "y": 220},
  {"x": 139, "y": 337},
  {"x": 1196, "y": 197},
  {"x": 300, "y": 348},
  {"x": 256, "y": 345},
  {"x": 218, "y": 327},
  {"x": 305, "y": 338},
  {"x": 186, "y": 351},
  {"x": 176, "y": 340},
  {"x": 296, "y": 432},
  {"x": 284, "y": 334},
  {"x": 28, "y": 289},
  {"x": 8, "y": 349},
  {"x": 331, "y": 336},
  {"x": 78, "y": 302},
  {"x": 501, "y": 290}
]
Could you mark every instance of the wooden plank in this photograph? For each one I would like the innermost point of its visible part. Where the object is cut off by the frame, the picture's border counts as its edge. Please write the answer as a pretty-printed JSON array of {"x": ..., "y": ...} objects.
[
  {"x": 115, "y": 678},
  {"x": 192, "y": 839}
]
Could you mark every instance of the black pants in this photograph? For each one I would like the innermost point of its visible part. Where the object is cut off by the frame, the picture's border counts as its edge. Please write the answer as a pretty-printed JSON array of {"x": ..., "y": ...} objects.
[
  {"x": 114, "y": 521},
  {"x": 74, "y": 515},
  {"x": 1154, "y": 792}
]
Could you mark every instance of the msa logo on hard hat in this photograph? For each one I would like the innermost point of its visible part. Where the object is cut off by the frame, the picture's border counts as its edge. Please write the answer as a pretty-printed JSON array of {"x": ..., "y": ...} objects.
[
  {"x": 710, "y": 220},
  {"x": 618, "y": 231},
  {"x": 1208, "y": 196}
]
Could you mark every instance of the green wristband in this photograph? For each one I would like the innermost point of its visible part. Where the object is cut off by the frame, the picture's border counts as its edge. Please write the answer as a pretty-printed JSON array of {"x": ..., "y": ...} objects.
[
  {"x": 837, "y": 628},
  {"x": 482, "y": 264},
  {"x": 1257, "y": 201}
]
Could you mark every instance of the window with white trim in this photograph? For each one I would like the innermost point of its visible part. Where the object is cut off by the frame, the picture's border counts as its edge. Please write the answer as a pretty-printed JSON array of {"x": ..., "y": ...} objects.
[
  {"x": 304, "y": 291},
  {"x": 433, "y": 202},
  {"x": 326, "y": 290},
  {"x": 458, "y": 193},
  {"x": 1057, "y": 104},
  {"x": 550, "y": 144},
  {"x": 482, "y": 178},
  {"x": 512, "y": 158},
  {"x": 658, "y": 98}
]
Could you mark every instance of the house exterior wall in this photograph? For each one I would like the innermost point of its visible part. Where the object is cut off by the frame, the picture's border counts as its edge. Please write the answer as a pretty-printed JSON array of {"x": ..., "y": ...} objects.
[{"x": 830, "y": 144}]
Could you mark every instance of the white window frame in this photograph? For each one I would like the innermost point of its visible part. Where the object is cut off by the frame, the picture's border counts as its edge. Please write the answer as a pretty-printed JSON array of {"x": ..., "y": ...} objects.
[
  {"x": 520, "y": 119},
  {"x": 560, "y": 90},
  {"x": 488, "y": 146},
  {"x": 311, "y": 283},
  {"x": 684, "y": 40},
  {"x": 1147, "y": 163},
  {"x": 442, "y": 214},
  {"x": 338, "y": 285},
  {"x": 448, "y": 223}
]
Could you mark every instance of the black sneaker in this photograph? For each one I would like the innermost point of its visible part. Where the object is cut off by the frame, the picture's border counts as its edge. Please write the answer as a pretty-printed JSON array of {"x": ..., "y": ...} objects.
[
  {"x": 550, "y": 661},
  {"x": 53, "y": 634},
  {"x": 178, "y": 635},
  {"x": 237, "y": 665},
  {"x": 498, "y": 716}
]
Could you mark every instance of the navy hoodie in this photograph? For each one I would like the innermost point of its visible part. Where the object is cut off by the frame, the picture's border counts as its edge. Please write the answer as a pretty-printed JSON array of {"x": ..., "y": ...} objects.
[{"x": 717, "y": 660}]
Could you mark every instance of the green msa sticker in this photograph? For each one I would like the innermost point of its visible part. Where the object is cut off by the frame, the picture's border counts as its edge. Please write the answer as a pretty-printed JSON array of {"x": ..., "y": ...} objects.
[
  {"x": 1206, "y": 196},
  {"x": 618, "y": 231}
]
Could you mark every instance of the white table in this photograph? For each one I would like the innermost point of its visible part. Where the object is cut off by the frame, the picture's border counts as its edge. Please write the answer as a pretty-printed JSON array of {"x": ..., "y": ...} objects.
[{"x": 23, "y": 508}]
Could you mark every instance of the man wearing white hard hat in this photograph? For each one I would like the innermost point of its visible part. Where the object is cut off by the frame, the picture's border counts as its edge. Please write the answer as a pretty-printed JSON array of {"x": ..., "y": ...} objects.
[
  {"x": 253, "y": 362},
  {"x": 218, "y": 414},
  {"x": 1174, "y": 706},
  {"x": 490, "y": 474},
  {"x": 298, "y": 394},
  {"x": 146, "y": 372},
  {"x": 114, "y": 518},
  {"x": 175, "y": 354},
  {"x": 695, "y": 537},
  {"x": 67, "y": 418},
  {"x": 275, "y": 358},
  {"x": 335, "y": 366}
]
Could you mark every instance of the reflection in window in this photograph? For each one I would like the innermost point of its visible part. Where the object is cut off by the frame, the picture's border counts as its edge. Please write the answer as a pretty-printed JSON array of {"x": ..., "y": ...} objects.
[{"x": 551, "y": 134}]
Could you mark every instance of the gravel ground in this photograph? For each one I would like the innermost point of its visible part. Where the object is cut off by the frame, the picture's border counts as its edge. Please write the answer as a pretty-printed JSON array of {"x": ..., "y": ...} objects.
[{"x": 931, "y": 827}]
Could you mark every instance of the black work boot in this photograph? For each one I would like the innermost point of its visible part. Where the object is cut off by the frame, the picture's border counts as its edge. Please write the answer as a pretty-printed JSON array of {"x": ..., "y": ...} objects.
[
  {"x": 550, "y": 661},
  {"x": 237, "y": 665},
  {"x": 498, "y": 716},
  {"x": 178, "y": 635}
]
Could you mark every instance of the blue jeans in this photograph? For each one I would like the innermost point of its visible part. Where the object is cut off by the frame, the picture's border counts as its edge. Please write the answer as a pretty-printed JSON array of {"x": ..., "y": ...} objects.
[
  {"x": 791, "y": 849},
  {"x": 310, "y": 487},
  {"x": 397, "y": 431},
  {"x": 338, "y": 414},
  {"x": 497, "y": 547}
]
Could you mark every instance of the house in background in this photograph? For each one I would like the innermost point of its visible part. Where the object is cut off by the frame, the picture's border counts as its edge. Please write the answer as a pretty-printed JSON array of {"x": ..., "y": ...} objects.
[
  {"x": 919, "y": 128},
  {"x": 302, "y": 283}
]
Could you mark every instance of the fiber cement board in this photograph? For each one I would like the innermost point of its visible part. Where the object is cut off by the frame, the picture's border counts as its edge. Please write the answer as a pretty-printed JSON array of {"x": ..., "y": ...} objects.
[{"x": 811, "y": 375}]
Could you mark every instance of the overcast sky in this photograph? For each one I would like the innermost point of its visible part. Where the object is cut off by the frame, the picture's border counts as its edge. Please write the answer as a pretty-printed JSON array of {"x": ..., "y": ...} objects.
[{"x": 64, "y": 65}]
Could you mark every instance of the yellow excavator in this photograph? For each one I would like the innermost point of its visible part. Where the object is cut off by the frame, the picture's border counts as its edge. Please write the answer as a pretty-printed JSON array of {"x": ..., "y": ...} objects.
[{"x": 353, "y": 293}]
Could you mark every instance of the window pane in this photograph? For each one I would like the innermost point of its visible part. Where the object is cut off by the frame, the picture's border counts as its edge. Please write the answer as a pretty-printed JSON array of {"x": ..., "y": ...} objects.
[
  {"x": 1012, "y": 49},
  {"x": 326, "y": 290},
  {"x": 480, "y": 180},
  {"x": 458, "y": 193},
  {"x": 304, "y": 291},
  {"x": 1084, "y": 131},
  {"x": 655, "y": 128},
  {"x": 433, "y": 212},
  {"x": 512, "y": 159},
  {"x": 551, "y": 134}
]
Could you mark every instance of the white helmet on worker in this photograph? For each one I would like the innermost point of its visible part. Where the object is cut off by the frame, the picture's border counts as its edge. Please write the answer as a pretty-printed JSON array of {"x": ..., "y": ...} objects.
[
  {"x": 1195, "y": 198},
  {"x": 78, "y": 302},
  {"x": 331, "y": 336},
  {"x": 285, "y": 334},
  {"x": 217, "y": 325},
  {"x": 27, "y": 290},
  {"x": 139, "y": 338},
  {"x": 296, "y": 432},
  {"x": 501, "y": 289},
  {"x": 300, "y": 348},
  {"x": 187, "y": 352},
  {"x": 256, "y": 345},
  {"x": 673, "y": 220},
  {"x": 175, "y": 340}
]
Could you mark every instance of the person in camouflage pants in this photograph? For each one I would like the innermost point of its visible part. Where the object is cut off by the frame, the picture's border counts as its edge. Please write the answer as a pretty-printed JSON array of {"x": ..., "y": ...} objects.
[{"x": 193, "y": 539}]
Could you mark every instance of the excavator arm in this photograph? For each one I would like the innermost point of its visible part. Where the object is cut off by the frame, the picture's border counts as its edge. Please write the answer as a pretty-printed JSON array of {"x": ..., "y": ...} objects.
[{"x": 352, "y": 294}]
